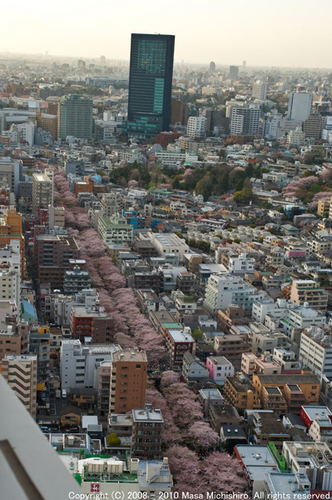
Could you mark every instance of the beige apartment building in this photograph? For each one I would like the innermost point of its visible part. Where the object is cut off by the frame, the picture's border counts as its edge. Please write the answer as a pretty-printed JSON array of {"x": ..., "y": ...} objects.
[
  {"x": 20, "y": 371},
  {"x": 310, "y": 292}
]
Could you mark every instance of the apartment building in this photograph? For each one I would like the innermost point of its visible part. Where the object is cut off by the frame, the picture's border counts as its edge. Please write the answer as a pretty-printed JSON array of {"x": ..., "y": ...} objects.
[
  {"x": 91, "y": 321},
  {"x": 79, "y": 364},
  {"x": 51, "y": 257},
  {"x": 219, "y": 368},
  {"x": 307, "y": 382},
  {"x": 115, "y": 230},
  {"x": 127, "y": 381},
  {"x": 20, "y": 372},
  {"x": 231, "y": 346},
  {"x": 42, "y": 191},
  {"x": 75, "y": 280},
  {"x": 221, "y": 291},
  {"x": 316, "y": 351},
  {"x": 239, "y": 392},
  {"x": 147, "y": 429},
  {"x": 178, "y": 342},
  {"x": 311, "y": 292}
]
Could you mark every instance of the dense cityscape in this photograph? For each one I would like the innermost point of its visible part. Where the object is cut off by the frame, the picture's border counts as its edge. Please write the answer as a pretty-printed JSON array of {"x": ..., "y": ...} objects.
[{"x": 166, "y": 279}]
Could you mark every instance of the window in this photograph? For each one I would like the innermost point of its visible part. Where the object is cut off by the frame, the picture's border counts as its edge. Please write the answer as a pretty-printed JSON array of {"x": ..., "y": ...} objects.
[{"x": 138, "y": 366}]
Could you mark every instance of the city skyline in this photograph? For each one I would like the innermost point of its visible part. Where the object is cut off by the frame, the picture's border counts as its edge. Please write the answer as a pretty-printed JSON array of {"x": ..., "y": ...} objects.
[{"x": 224, "y": 33}]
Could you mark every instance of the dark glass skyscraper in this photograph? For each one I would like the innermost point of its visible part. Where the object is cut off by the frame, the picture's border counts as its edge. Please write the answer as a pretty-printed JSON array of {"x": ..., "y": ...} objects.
[{"x": 150, "y": 85}]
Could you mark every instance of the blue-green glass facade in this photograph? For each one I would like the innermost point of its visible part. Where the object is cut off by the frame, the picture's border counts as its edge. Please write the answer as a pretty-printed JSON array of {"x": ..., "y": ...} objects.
[{"x": 150, "y": 84}]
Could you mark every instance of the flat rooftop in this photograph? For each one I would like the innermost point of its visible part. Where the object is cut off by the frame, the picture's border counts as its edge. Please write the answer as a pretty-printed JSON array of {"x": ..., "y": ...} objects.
[
  {"x": 130, "y": 355},
  {"x": 147, "y": 415}
]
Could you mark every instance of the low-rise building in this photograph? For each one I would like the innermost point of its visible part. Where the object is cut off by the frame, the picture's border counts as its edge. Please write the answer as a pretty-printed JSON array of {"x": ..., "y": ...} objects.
[
  {"x": 316, "y": 351},
  {"x": 241, "y": 393},
  {"x": 219, "y": 368},
  {"x": 192, "y": 369},
  {"x": 147, "y": 429}
]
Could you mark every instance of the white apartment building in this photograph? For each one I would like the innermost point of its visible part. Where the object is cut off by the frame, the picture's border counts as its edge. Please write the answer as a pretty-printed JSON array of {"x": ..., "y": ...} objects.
[
  {"x": 316, "y": 351},
  {"x": 271, "y": 126},
  {"x": 79, "y": 364},
  {"x": 286, "y": 315},
  {"x": 10, "y": 281},
  {"x": 27, "y": 132},
  {"x": 170, "y": 157},
  {"x": 219, "y": 368},
  {"x": 115, "y": 230},
  {"x": 196, "y": 127},
  {"x": 221, "y": 291},
  {"x": 296, "y": 137},
  {"x": 241, "y": 264},
  {"x": 321, "y": 430},
  {"x": 166, "y": 243},
  {"x": 42, "y": 191}
]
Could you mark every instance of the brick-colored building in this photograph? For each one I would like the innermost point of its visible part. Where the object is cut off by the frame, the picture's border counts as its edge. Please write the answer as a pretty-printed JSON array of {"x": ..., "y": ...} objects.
[{"x": 128, "y": 381}]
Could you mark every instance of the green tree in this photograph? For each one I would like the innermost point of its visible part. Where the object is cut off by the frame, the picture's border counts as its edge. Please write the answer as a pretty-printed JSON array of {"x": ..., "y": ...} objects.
[
  {"x": 197, "y": 334},
  {"x": 113, "y": 439},
  {"x": 237, "y": 240}
]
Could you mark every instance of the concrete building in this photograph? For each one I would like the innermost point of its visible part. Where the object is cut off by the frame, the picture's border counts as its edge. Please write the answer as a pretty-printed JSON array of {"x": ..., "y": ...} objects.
[
  {"x": 11, "y": 173},
  {"x": 259, "y": 91},
  {"x": 147, "y": 429},
  {"x": 42, "y": 191},
  {"x": 316, "y": 351},
  {"x": 313, "y": 125},
  {"x": 239, "y": 392},
  {"x": 76, "y": 280},
  {"x": 79, "y": 364},
  {"x": 75, "y": 117},
  {"x": 219, "y": 368},
  {"x": 241, "y": 265},
  {"x": 29, "y": 466},
  {"x": 295, "y": 137},
  {"x": 233, "y": 72},
  {"x": 127, "y": 381},
  {"x": 115, "y": 230},
  {"x": 314, "y": 458},
  {"x": 299, "y": 105},
  {"x": 245, "y": 119},
  {"x": 309, "y": 291},
  {"x": 166, "y": 243},
  {"x": 20, "y": 371},
  {"x": 192, "y": 369},
  {"x": 196, "y": 127},
  {"x": 178, "y": 342},
  {"x": 49, "y": 123},
  {"x": 221, "y": 291},
  {"x": 10, "y": 281}
]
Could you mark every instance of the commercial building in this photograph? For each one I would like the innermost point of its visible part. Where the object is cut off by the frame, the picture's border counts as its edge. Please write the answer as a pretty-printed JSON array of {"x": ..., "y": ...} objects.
[
  {"x": 259, "y": 91},
  {"x": 313, "y": 125},
  {"x": 49, "y": 123},
  {"x": 20, "y": 371},
  {"x": 299, "y": 105},
  {"x": 245, "y": 119},
  {"x": 75, "y": 117},
  {"x": 127, "y": 381},
  {"x": 233, "y": 72},
  {"x": 150, "y": 85},
  {"x": 166, "y": 243},
  {"x": 91, "y": 321}
]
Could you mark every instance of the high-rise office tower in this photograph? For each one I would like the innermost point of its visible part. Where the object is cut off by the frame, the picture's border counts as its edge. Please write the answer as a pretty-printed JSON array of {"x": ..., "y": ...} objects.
[
  {"x": 75, "y": 117},
  {"x": 233, "y": 72},
  {"x": 150, "y": 85},
  {"x": 299, "y": 105},
  {"x": 212, "y": 67}
]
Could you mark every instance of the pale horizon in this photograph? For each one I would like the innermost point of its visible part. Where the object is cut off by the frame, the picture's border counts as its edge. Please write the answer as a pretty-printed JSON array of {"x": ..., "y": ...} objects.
[{"x": 287, "y": 34}]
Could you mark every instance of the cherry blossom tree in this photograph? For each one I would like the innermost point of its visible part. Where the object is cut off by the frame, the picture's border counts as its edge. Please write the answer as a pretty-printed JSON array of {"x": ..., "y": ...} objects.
[{"x": 203, "y": 435}]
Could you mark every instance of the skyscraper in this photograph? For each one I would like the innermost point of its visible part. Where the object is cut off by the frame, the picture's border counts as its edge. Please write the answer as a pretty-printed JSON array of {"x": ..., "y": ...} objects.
[
  {"x": 150, "y": 85},
  {"x": 299, "y": 105},
  {"x": 233, "y": 72},
  {"x": 75, "y": 117}
]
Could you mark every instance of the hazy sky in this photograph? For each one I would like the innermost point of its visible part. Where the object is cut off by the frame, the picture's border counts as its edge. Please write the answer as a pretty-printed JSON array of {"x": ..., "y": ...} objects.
[{"x": 262, "y": 32}]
